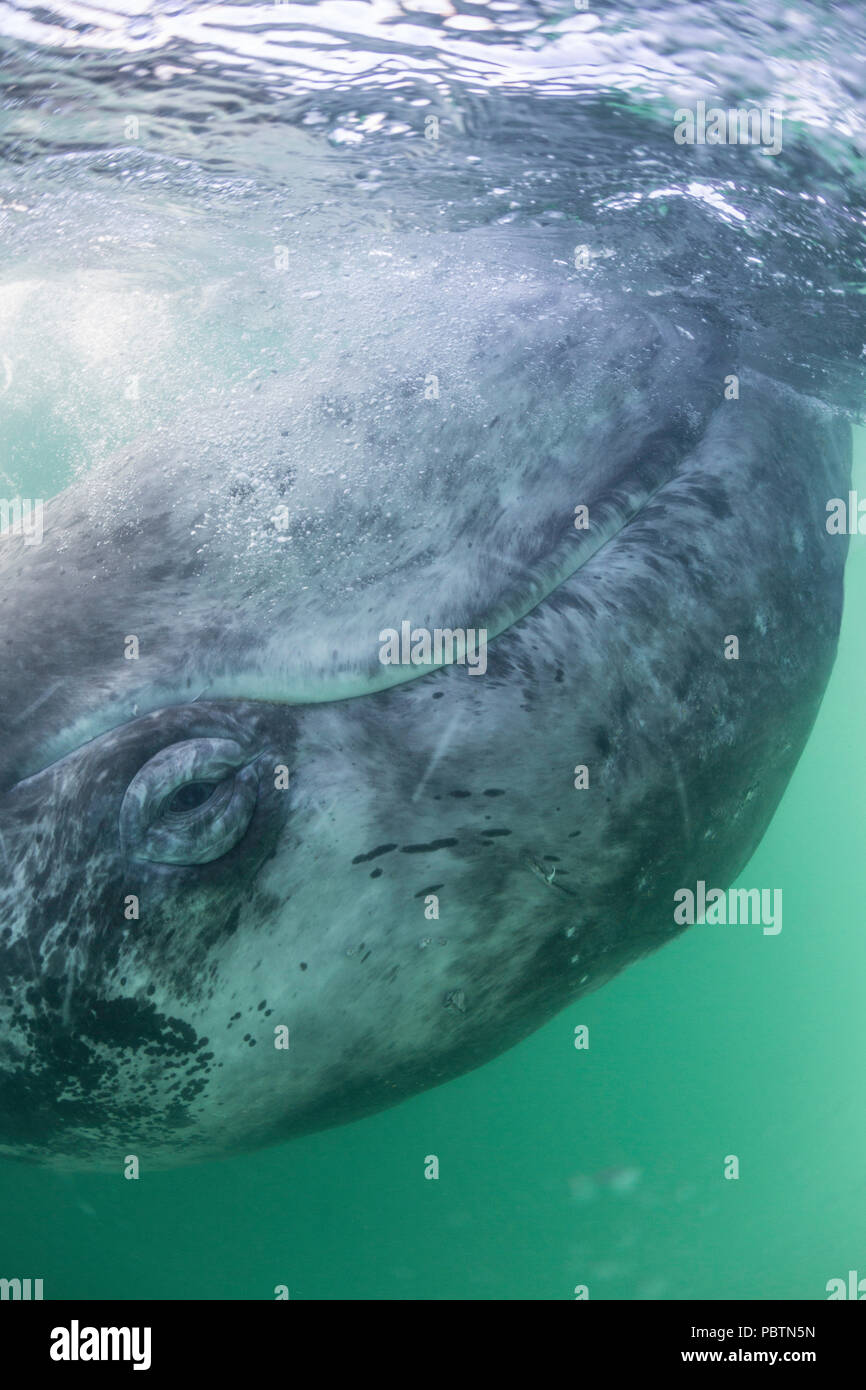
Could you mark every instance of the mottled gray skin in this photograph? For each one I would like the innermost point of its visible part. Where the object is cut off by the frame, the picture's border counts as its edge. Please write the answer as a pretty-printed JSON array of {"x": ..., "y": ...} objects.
[{"x": 156, "y": 1036}]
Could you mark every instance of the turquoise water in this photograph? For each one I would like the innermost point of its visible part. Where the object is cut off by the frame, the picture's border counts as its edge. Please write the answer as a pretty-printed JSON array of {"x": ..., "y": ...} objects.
[{"x": 140, "y": 275}]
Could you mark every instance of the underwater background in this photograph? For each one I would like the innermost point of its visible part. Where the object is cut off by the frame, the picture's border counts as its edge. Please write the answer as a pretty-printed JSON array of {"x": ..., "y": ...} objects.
[{"x": 152, "y": 171}]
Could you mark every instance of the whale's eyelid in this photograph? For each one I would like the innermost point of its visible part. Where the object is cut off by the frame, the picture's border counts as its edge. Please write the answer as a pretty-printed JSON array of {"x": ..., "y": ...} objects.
[
  {"x": 205, "y": 752},
  {"x": 201, "y": 833}
]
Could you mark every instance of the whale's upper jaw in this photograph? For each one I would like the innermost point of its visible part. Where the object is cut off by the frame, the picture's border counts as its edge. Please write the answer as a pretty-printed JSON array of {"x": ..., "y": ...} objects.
[{"x": 258, "y": 548}]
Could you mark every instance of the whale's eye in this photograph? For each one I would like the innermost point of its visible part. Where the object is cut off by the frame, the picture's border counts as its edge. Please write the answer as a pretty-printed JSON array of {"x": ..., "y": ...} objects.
[
  {"x": 190, "y": 797},
  {"x": 189, "y": 804}
]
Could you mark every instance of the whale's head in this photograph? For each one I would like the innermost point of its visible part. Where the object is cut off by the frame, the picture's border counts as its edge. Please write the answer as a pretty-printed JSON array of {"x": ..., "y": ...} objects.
[{"x": 354, "y": 724}]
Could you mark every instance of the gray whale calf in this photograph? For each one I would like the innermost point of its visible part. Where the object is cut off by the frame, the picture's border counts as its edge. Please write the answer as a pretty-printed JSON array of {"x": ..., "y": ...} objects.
[{"x": 225, "y": 823}]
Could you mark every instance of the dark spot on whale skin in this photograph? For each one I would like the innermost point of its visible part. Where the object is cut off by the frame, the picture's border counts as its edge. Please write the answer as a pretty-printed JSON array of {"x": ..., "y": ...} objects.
[
  {"x": 192, "y": 1089},
  {"x": 425, "y": 849},
  {"x": 560, "y": 675},
  {"x": 584, "y": 605},
  {"x": 710, "y": 492},
  {"x": 434, "y": 888},
  {"x": 129, "y": 1023},
  {"x": 494, "y": 791},
  {"x": 303, "y": 965},
  {"x": 157, "y": 573},
  {"x": 438, "y": 694},
  {"x": 73, "y": 1086},
  {"x": 121, "y": 535},
  {"x": 377, "y": 873},
  {"x": 460, "y": 794},
  {"x": 491, "y": 833},
  {"x": 266, "y": 904},
  {"x": 373, "y": 854},
  {"x": 624, "y": 701},
  {"x": 262, "y": 1005},
  {"x": 230, "y": 925}
]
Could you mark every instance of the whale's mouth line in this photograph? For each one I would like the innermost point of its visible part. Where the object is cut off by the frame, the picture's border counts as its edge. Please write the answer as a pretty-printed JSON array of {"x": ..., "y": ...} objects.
[
  {"x": 611, "y": 535},
  {"x": 617, "y": 520},
  {"x": 611, "y": 517}
]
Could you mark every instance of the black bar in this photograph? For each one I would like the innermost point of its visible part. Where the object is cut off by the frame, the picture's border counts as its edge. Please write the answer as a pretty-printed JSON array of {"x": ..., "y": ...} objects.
[{"x": 199, "y": 1338}]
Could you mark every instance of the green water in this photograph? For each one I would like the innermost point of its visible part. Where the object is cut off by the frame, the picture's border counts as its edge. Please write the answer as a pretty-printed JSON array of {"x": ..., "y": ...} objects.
[{"x": 558, "y": 1166}]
